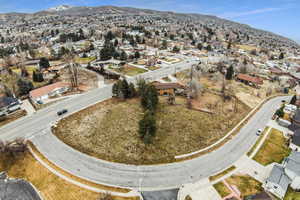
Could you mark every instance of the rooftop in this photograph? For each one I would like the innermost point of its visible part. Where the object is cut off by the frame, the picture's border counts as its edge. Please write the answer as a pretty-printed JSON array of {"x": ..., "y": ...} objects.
[{"x": 47, "y": 89}]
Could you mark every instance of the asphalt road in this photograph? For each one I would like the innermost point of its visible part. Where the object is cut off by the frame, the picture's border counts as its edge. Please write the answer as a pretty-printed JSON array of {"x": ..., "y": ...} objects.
[{"x": 156, "y": 177}]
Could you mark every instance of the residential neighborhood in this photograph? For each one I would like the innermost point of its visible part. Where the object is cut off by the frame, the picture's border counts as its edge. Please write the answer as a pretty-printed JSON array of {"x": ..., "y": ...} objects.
[{"x": 123, "y": 103}]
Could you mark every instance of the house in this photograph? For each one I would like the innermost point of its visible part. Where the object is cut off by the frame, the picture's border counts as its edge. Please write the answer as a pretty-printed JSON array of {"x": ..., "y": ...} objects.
[
  {"x": 45, "y": 92},
  {"x": 8, "y": 105},
  {"x": 292, "y": 169},
  {"x": 168, "y": 88},
  {"x": 295, "y": 119},
  {"x": 295, "y": 141},
  {"x": 249, "y": 80},
  {"x": 277, "y": 183}
]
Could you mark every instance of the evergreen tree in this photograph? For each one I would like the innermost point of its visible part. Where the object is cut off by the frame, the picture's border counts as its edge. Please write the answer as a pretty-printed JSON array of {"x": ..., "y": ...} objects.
[
  {"x": 147, "y": 127},
  {"x": 131, "y": 91},
  {"x": 149, "y": 98},
  {"x": 125, "y": 89},
  {"x": 25, "y": 86},
  {"x": 137, "y": 55},
  {"x": 281, "y": 56},
  {"x": 176, "y": 49},
  {"x": 116, "y": 43},
  {"x": 44, "y": 63},
  {"x": 123, "y": 56},
  {"x": 229, "y": 73},
  {"x": 199, "y": 46},
  {"x": 293, "y": 100},
  {"x": 164, "y": 44}
]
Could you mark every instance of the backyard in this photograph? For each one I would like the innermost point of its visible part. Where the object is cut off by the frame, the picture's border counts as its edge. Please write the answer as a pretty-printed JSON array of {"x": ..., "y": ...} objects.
[{"x": 179, "y": 130}]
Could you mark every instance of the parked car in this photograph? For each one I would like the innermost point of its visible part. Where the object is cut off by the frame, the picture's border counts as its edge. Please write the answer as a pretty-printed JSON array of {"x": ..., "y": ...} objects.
[
  {"x": 258, "y": 132},
  {"x": 61, "y": 112}
]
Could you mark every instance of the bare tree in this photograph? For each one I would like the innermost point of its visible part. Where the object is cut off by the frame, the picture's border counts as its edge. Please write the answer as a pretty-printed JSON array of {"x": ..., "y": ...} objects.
[
  {"x": 73, "y": 74},
  {"x": 194, "y": 86}
]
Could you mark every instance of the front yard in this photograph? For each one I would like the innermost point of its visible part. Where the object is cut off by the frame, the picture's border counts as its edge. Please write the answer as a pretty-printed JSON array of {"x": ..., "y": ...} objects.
[
  {"x": 129, "y": 70},
  {"x": 222, "y": 189},
  {"x": 274, "y": 149},
  {"x": 109, "y": 130},
  {"x": 246, "y": 185}
]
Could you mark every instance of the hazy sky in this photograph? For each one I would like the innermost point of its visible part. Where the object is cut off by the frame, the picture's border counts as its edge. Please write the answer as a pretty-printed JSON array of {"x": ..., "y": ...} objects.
[{"x": 278, "y": 16}]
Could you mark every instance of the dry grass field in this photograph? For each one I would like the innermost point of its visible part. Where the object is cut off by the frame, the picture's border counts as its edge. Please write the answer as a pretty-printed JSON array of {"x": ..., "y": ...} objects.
[
  {"x": 109, "y": 130},
  {"x": 50, "y": 186}
]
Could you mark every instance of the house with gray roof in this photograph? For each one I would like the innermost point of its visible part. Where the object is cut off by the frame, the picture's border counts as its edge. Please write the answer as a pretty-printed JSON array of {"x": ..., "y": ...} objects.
[
  {"x": 292, "y": 169},
  {"x": 17, "y": 189},
  {"x": 278, "y": 182},
  {"x": 295, "y": 141}
]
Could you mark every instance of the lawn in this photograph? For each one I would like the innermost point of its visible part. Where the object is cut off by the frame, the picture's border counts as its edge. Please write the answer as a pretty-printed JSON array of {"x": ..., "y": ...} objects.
[
  {"x": 50, "y": 186},
  {"x": 292, "y": 195},
  {"x": 246, "y": 184},
  {"x": 258, "y": 141},
  {"x": 222, "y": 189},
  {"x": 84, "y": 60},
  {"x": 221, "y": 174},
  {"x": 109, "y": 130},
  {"x": 274, "y": 149},
  {"x": 152, "y": 68},
  {"x": 129, "y": 70}
]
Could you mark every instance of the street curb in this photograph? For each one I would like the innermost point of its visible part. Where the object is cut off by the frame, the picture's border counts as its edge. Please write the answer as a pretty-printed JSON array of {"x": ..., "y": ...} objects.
[{"x": 229, "y": 133}]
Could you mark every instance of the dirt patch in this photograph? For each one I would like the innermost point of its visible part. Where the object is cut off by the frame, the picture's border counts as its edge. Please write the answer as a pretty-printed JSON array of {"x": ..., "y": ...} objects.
[{"x": 109, "y": 130}]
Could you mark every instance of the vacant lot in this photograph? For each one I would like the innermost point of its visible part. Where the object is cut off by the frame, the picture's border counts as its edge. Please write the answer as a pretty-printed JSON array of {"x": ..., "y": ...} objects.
[
  {"x": 274, "y": 149},
  {"x": 246, "y": 184},
  {"x": 109, "y": 130},
  {"x": 86, "y": 79}
]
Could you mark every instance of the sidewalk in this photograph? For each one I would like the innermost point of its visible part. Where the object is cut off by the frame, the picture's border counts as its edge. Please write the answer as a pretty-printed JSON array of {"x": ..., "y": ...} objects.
[
  {"x": 28, "y": 107},
  {"x": 199, "y": 190}
]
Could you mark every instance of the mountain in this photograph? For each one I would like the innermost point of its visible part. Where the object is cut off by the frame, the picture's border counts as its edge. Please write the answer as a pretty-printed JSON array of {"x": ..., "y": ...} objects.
[{"x": 59, "y": 8}]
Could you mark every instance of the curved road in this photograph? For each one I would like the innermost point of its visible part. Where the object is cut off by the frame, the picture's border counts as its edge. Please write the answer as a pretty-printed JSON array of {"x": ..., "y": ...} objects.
[
  {"x": 156, "y": 177},
  {"x": 36, "y": 127}
]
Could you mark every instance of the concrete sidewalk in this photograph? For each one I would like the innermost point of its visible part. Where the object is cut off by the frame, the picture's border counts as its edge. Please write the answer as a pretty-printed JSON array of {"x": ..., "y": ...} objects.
[
  {"x": 26, "y": 105},
  {"x": 246, "y": 165}
]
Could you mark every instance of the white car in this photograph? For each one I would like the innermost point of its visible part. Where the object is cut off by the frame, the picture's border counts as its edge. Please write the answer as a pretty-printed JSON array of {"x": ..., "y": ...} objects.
[{"x": 258, "y": 132}]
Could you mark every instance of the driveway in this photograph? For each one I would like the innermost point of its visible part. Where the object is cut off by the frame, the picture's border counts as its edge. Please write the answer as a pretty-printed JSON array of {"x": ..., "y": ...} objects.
[
  {"x": 161, "y": 195},
  {"x": 26, "y": 105}
]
